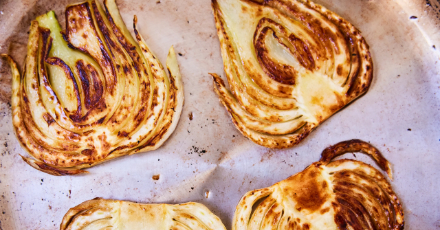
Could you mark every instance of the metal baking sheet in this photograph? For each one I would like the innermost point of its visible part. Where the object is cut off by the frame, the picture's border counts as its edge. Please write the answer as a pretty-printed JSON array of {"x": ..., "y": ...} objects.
[{"x": 399, "y": 115}]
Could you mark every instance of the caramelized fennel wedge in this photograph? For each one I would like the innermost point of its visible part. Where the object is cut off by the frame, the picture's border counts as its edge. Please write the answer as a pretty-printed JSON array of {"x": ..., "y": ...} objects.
[
  {"x": 114, "y": 214},
  {"x": 340, "y": 194},
  {"x": 284, "y": 60},
  {"x": 90, "y": 94}
]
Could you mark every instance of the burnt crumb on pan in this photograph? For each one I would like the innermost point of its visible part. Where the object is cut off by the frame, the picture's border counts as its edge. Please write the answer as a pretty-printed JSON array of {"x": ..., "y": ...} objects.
[
  {"x": 190, "y": 116},
  {"x": 6, "y": 153},
  {"x": 156, "y": 177},
  {"x": 197, "y": 150},
  {"x": 285, "y": 162},
  {"x": 207, "y": 194},
  {"x": 409, "y": 129},
  {"x": 413, "y": 17}
]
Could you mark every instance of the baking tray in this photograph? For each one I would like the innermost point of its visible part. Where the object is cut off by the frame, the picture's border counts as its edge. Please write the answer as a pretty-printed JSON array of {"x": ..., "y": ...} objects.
[{"x": 206, "y": 159}]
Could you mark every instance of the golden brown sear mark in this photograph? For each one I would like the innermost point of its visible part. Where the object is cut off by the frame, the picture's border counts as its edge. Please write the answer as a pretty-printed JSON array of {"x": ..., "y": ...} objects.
[
  {"x": 109, "y": 78},
  {"x": 287, "y": 59},
  {"x": 355, "y": 193}
]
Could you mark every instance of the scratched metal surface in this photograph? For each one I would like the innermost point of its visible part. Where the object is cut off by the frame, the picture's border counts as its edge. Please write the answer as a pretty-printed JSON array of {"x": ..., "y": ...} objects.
[{"x": 400, "y": 115}]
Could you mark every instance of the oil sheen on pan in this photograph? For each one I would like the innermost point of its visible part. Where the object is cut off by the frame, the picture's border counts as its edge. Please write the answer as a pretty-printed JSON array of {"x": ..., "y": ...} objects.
[
  {"x": 341, "y": 194},
  {"x": 91, "y": 93},
  {"x": 114, "y": 214},
  {"x": 290, "y": 65}
]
